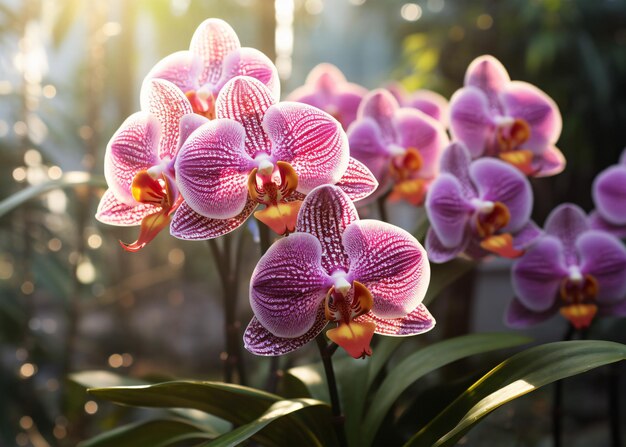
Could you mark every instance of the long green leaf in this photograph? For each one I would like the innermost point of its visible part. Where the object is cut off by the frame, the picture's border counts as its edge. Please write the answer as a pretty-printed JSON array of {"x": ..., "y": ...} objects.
[
  {"x": 424, "y": 361},
  {"x": 516, "y": 376},
  {"x": 67, "y": 180},
  {"x": 155, "y": 433},
  {"x": 442, "y": 275}
]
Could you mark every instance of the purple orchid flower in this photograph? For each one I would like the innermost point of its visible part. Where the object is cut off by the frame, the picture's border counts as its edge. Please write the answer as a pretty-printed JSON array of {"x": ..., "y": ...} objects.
[
  {"x": 260, "y": 152},
  {"x": 573, "y": 270},
  {"x": 401, "y": 146},
  {"x": 478, "y": 207},
  {"x": 138, "y": 164},
  {"x": 327, "y": 89},
  {"x": 427, "y": 101},
  {"x": 214, "y": 57},
  {"x": 364, "y": 275},
  {"x": 609, "y": 196},
  {"x": 512, "y": 120}
]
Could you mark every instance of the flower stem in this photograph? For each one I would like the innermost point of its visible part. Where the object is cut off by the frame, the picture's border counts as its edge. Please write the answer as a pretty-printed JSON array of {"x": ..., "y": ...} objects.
[
  {"x": 326, "y": 352},
  {"x": 614, "y": 407},
  {"x": 557, "y": 409}
]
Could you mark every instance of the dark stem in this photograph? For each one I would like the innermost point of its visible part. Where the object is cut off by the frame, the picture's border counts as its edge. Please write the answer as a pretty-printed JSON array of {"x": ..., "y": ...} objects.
[
  {"x": 326, "y": 352},
  {"x": 557, "y": 410},
  {"x": 382, "y": 209},
  {"x": 614, "y": 406}
]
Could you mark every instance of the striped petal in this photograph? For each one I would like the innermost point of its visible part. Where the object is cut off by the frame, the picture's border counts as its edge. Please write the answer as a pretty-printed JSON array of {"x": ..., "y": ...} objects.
[
  {"x": 609, "y": 194},
  {"x": 380, "y": 106},
  {"x": 212, "y": 169},
  {"x": 470, "y": 120},
  {"x": 448, "y": 210},
  {"x": 189, "y": 225},
  {"x": 260, "y": 341},
  {"x": 604, "y": 257},
  {"x": 326, "y": 213},
  {"x": 288, "y": 285},
  {"x": 246, "y": 100},
  {"x": 251, "y": 62},
  {"x": 181, "y": 68},
  {"x": 131, "y": 149},
  {"x": 168, "y": 103},
  {"x": 357, "y": 182},
  {"x": 310, "y": 140},
  {"x": 211, "y": 43},
  {"x": 567, "y": 222},
  {"x": 113, "y": 212},
  {"x": 417, "y": 322},
  {"x": 489, "y": 75},
  {"x": 390, "y": 263}
]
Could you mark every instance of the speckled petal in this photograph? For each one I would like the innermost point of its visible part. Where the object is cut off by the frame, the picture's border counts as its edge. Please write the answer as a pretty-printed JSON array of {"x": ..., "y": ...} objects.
[
  {"x": 418, "y": 130},
  {"x": 357, "y": 182},
  {"x": 288, "y": 285},
  {"x": 489, "y": 75},
  {"x": 391, "y": 263},
  {"x": 325, "y": 213},
  {"x": 189, "y": 225},
  {"x": 131, "y": 149},
  {"x": 604, "y": 257},
  {"x": 439, "y": 253},
  {"x": 417, "y": 322},
  {"x": 380, "y": 106},
  {"x": 367, "y": 146},
  {"x": 609, "y": 194},
  {"x": 310, "y": 140},
  {"x": 189, "y": 123},
  {"x": 212, "y": 169},
  {"x": 211, "y": 43},
  {"x": 251, "y": 62},
  {"x": 260, "y": 341},
  {"x": 245, "y": 100},
  {"x": 525, "y": 101},
  {"x": 168, "y": 103},
  {"x": 518, "y": 316},
  {"x": 567, "y": 222},
  {"x": 500, "y": 182},
  {"x": 181, "y": 68},
  {"x": 448, "y": 210},
  {"x": 537, "y": 275},
  {"x": 470, "y": 120},
  {"x": 113, "y": 212}
]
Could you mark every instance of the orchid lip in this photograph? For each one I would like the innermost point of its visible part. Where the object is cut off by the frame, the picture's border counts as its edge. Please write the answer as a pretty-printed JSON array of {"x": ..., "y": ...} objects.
[{"x": 482, "y": 206}]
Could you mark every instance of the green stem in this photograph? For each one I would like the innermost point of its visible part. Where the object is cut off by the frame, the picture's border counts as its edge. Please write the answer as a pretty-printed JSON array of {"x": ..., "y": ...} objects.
[{"x": 326, "y": 352}]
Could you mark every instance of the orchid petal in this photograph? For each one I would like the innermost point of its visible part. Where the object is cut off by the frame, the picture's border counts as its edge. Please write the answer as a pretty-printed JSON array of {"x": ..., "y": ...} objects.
[
  {"x": 598, "y": 223},
  {"x": 131, "y": 149},
  {"x": 526, "y": 236},
  {"x": 114, "y": 212},
  {"x": 567, "y": 222},
  {"x": 357, "y": 182},
  {"x": 390, "y": 263},
  {"x": 326, "y": 213},
  {"x": 550, "y": 162},
  {"x": 181, "y": 69},
  {"x": 165, "y": 101},
  {"x": 346, "y": 103},
  {"x": 439, "y": 253},
  {"x": 519, "y": 316},
  {"x": 251, "y": 62},
  {"x": 455, "y": 160},
  {"x": 489, "y": 75},
  {"x": 325, "y": 76},
  {"x": 288, "y": 285},
  {"x": 189, "y": 225},
  {"x": 245, "y": 100},
  {"x": 604, "y": 257},
  {"x": 429, "y": 102},
  {"x": 260, "y": 341},
  {"x": 609, "y": 194},
  {"x": 367, "y": 146},
  {"x": 417, "y": 322},
  {"x": 617, "y": 309},
  {"x": 310, "y": 140},
  {"x": 188, "y": 124},
  {"x": 470, "y": 120},
  {"x": 498, "y": 181},
  {"x": 537, "y": 275},
  {"x": 211, "y": 43},
  {"x": 525, "y": 101},
  {"x": 380, "y": 106},
  {"x": 448, "y": 210}
]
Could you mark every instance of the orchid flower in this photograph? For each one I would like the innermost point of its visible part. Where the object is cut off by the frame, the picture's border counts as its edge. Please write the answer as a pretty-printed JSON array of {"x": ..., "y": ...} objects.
[
  {"x": 327, "y": 89},
  {"x": 214, "y": 57},
  {"x": 512, "y": 120},
  {"x": 427, "y": 101},
  {"x": 609, "y": 196},
  {"x": 573, "y": 270},
  {"x": 138, "y": 163},
  {"x": 478, "y": 207},
  {"x": 401, "y": 146},
  {"x": 364, "y": 276},
  {"x": 260, "y": 152}
]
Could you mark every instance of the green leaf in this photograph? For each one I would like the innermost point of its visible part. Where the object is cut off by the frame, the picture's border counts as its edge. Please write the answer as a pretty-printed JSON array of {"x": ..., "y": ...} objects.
[
  {"x": 155, "y": 433},
  {"x": 516, "y": 376},
  {"x": 442, "y": 275},
  {"x": 103, "y": 379},
  {"x": 424, "y": 361},
  {"x": 282, "y": 409},
  {"x": 68, "y": 180}
]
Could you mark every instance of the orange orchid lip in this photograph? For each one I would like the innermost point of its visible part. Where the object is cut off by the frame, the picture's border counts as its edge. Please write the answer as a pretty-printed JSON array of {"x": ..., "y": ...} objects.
[
  {"x": 579, "y": 296},
  {"x": 404, "y": 169}
]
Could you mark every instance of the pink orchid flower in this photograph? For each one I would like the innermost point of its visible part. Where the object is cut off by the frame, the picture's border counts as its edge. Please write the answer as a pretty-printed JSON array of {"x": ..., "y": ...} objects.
[
  {"x": 327, "y": 89},
  {"x": 214, "y": 57},
  {"x": 364, "y": 276},
  {"x": 427, "y": 101},
  {"x": 138, "y": 163},
  {"x": 401, "y": 146},
  {"x": 512, "y": 120},
  {"x": 256, "y": 152}
]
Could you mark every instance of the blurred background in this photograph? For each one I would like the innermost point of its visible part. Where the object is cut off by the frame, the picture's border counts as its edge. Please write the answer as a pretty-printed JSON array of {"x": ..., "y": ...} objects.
[{"x": 70, "y": 70}]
